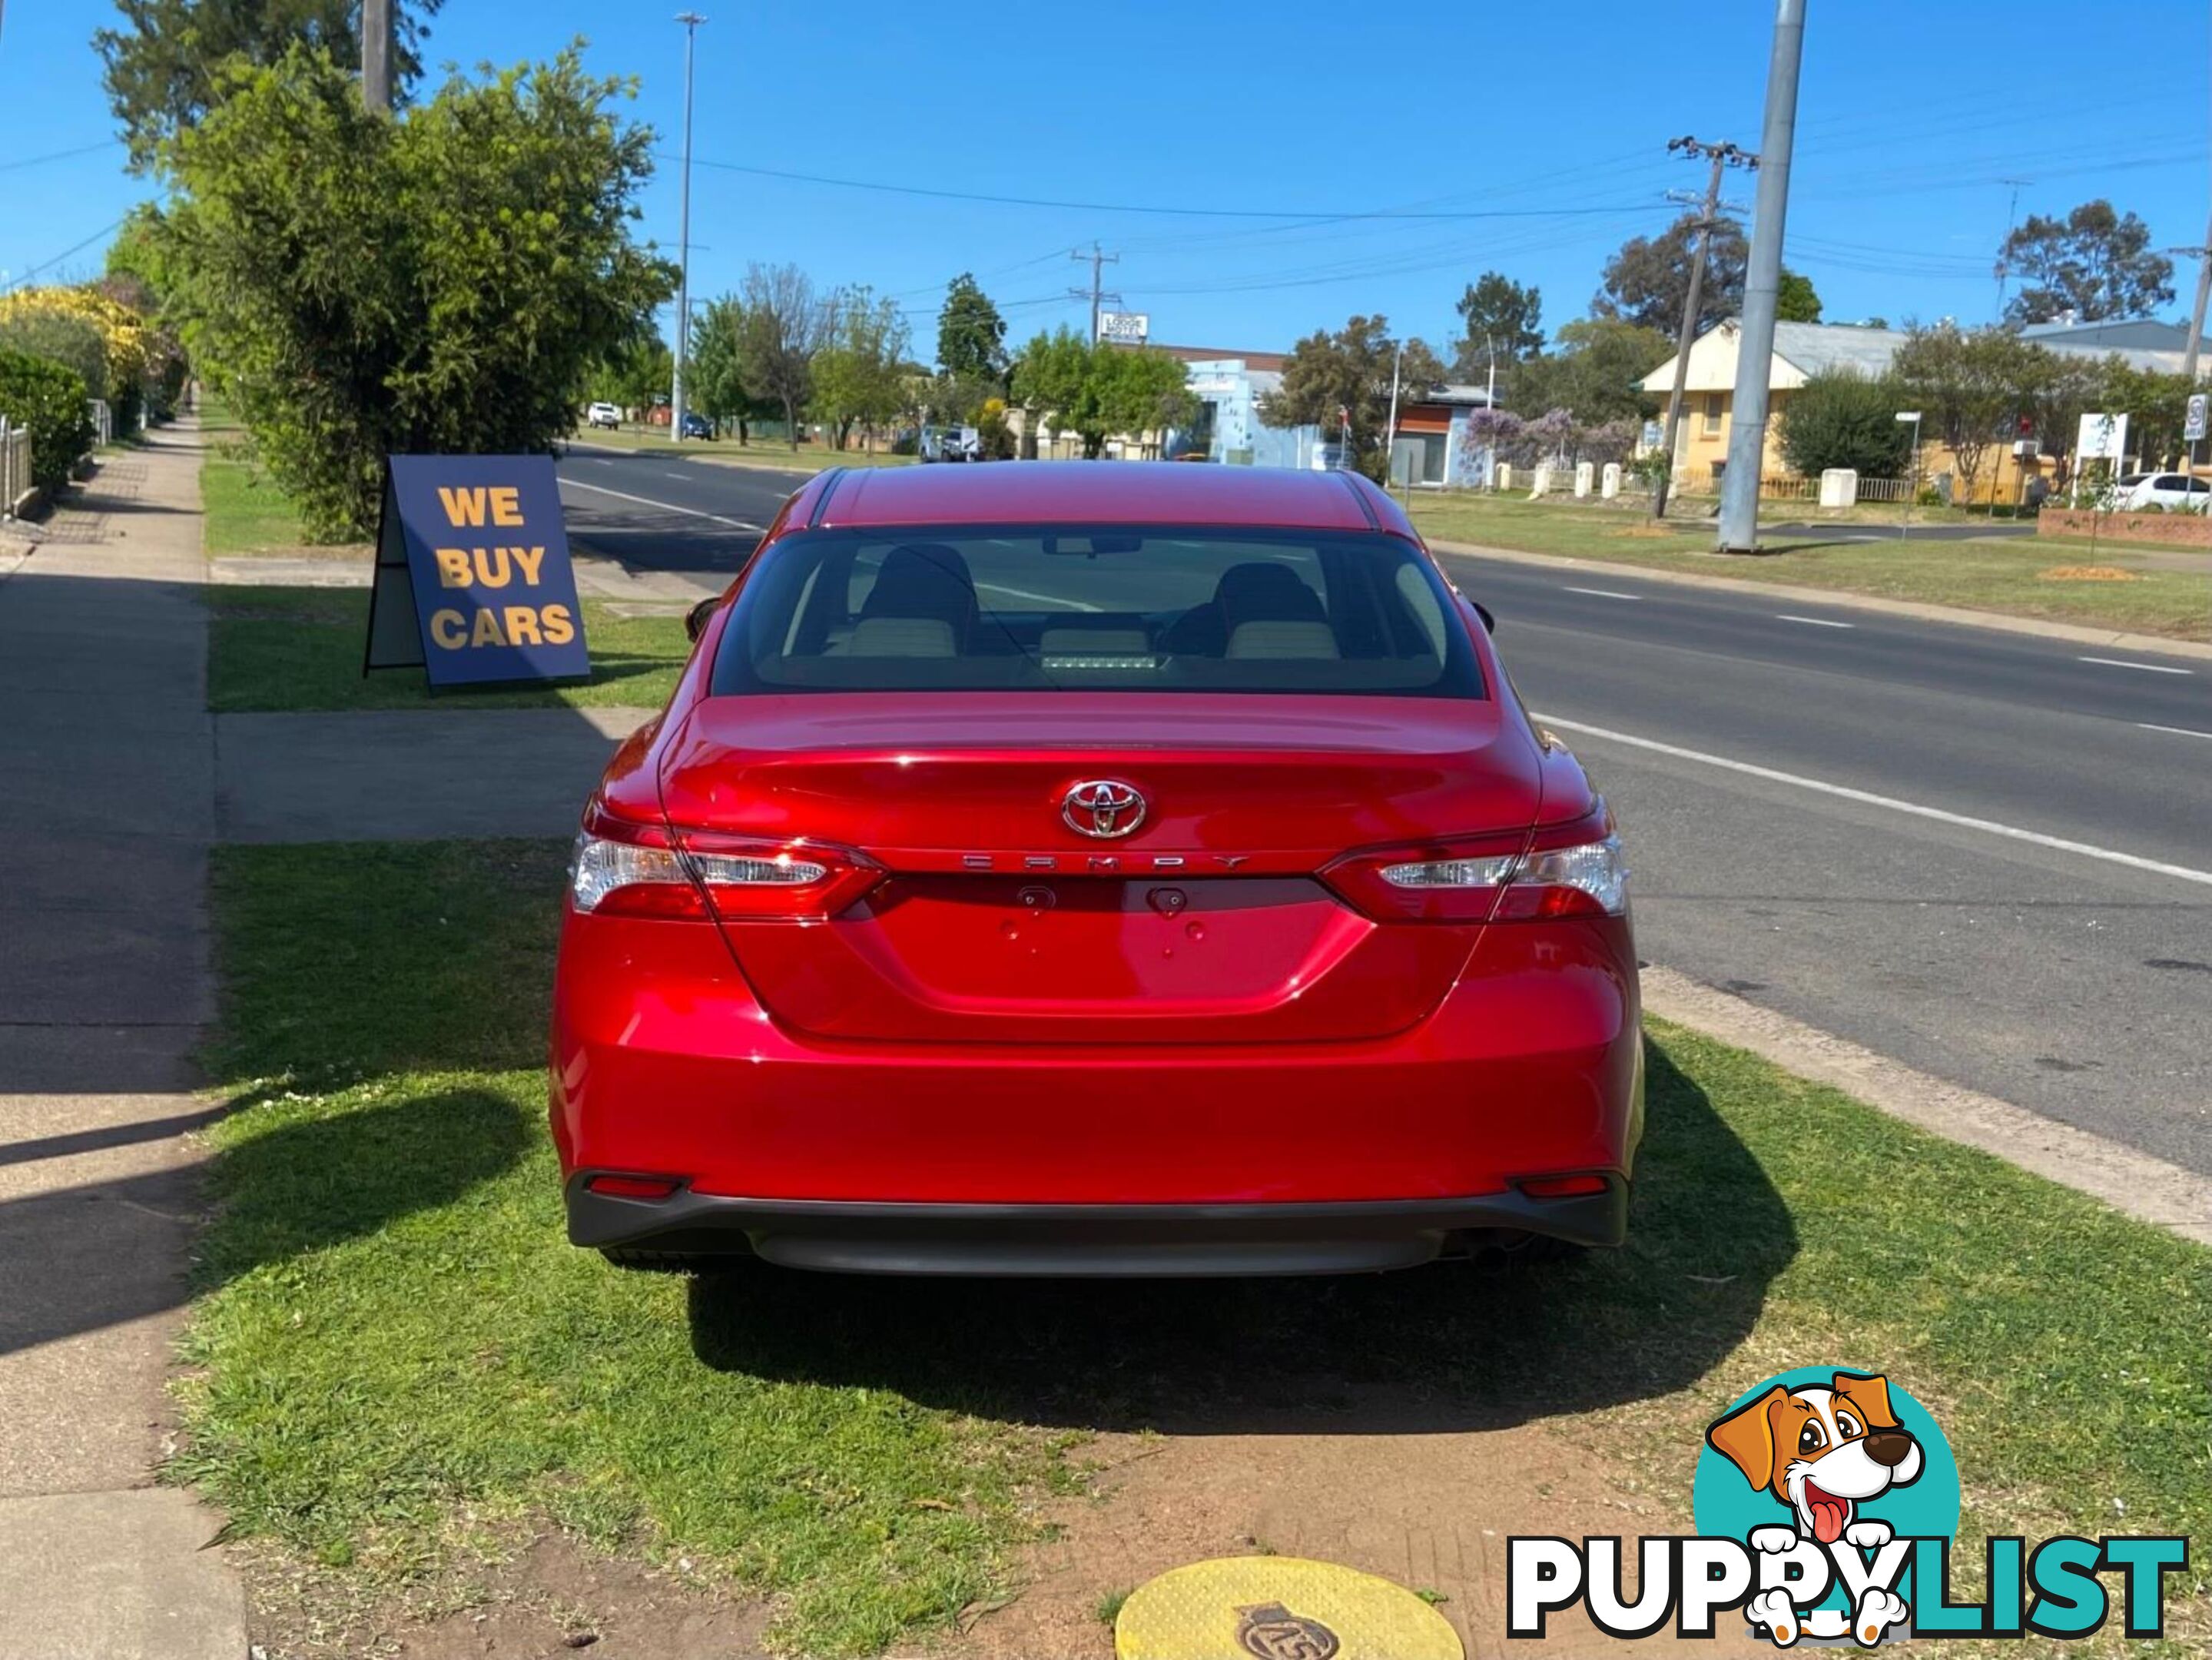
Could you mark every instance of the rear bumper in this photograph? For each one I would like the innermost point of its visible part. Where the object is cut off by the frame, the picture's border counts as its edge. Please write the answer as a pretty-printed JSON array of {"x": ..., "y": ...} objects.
[
  {"x": 665, "y": 1064},
  {"x": 1346, "y": 1238}
]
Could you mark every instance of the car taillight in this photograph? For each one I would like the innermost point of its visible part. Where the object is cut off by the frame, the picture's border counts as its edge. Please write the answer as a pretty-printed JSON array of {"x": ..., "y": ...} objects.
[
  {"x": 625, "y": 868},
  {"x": 1574, "y": 869}
]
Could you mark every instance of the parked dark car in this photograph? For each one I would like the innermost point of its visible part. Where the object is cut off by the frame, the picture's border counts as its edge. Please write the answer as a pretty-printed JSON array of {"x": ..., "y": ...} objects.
[{"x": 696, "y": 426}]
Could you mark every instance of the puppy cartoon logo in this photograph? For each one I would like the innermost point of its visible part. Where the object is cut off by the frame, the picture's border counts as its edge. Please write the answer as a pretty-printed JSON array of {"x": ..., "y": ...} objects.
[
  {"x": 1826, "y": 1505},
  {"x": 1822, "y": 1452}
]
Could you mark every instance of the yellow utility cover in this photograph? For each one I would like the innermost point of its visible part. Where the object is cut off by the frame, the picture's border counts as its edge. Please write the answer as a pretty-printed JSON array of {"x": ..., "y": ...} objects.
[{"x": 1279, "y": 1608}]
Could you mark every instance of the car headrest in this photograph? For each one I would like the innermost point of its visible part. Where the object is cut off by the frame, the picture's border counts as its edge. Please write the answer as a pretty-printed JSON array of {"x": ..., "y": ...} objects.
[
  {"x": 924, "y": 580},
  {"x": 1263, "y": 591}
]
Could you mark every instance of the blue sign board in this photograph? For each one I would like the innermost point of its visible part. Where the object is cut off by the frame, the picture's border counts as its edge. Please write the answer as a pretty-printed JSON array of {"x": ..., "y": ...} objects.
[{"x": 473, "y": 581}]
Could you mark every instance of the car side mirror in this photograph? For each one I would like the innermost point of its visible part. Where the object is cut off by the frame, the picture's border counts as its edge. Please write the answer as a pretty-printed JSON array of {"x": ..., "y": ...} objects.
[
  {"x": 696, "y": 619},
  {"x": 1482, "y": 614}
]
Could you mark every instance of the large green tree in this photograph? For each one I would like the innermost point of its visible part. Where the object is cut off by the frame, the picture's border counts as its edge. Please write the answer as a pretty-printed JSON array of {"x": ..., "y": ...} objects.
[
  {"x": 1648, "y": 281},
  {"x": 1351, "y": 371},
  {"x": 1593, "y": 374},
  {"x": 856, "y": 376},
  {"x": 1503, "y": 323},
  {"x": 714, "y": 381},
  {"x": 442, "y": 282},
  {"x": 1969, "y": 387},
  {"x": 1796, "y": 301},
  {"x": 1096, "y": 391},
  {"x": 2095, "y": 262},
  {"x": 971, "y": 336},
  {"x": 163, "y": 67}
]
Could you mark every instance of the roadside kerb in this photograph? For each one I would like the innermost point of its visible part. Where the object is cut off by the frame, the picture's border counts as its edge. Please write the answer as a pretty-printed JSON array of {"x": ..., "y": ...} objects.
[
  {"x": 2149, "y": 1189},
  {"x": 2075, "y": 633}
]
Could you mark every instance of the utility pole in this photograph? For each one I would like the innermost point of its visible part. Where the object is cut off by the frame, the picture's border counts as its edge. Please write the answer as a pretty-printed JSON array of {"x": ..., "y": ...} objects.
[
  {"x": 2203, "y": 257},
  {"x": 1762, "y": 286},
  {"x": 1390, "y": 430},
  {"x": 376, "y": 41},
  {"x": 690, "y": 20},
  {"x": 1095, "y": 294},
  {"x": 1722, "y": 156},
  {"x": 2012, "y": 224}
]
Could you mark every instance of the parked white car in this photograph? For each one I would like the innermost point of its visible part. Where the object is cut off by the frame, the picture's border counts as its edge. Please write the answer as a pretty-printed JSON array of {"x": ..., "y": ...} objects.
[
  {"x": 2171, "y": 492},
  {"x": 602, "y": 414}
]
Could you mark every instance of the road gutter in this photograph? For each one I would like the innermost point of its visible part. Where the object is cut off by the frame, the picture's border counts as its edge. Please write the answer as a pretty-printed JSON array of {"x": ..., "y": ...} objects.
[
  {"x": 1844, "y": 599},
  {"x": 2147, "y": 1188}
]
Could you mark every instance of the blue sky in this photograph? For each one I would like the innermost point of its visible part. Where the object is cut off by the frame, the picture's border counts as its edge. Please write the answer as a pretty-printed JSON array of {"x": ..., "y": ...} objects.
[{"x": 1552, "y": 124}]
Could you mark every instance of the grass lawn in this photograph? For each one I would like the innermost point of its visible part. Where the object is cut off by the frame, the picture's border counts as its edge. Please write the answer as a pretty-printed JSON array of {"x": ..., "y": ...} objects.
[
  {"x": 396, "y": 1362},
  {"x": 244, "y": 510},
  {"x": 300, "y": 649},
  {"x": 1999, "y": 575}
]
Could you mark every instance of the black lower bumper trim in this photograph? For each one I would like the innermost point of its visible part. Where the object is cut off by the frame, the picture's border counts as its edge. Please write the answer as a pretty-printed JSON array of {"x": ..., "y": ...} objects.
[{"x": 1342, "y": 1237}]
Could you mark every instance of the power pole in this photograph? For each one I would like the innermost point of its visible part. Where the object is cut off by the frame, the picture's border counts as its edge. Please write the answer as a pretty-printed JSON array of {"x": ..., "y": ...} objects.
[
  {"x": 2203, "y": 257},
  {"x": 690, "y": 20},
  {"x": 1722, "y": 156},
  {"x": 376, "y": 40},
  {"x": 1095, "y": 294},
  {"x": 2012, "y": 224},
  {"x": 1762, "y": 287}
]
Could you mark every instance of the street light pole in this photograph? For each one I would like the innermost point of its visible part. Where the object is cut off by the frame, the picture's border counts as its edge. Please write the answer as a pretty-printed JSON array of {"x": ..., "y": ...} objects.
[
  {"x": 1390, "y": 430},
  {"x": 690, "y": 20},
  {"x": 1913, "y": 484},
  {"x": 1762, "y": 289}
]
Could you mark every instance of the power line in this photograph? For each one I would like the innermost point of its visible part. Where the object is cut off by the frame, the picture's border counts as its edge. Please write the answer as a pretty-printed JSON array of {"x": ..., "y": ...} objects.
[
  {"x": 104, "y": 230},
  {"x": 1130, "y": 207},
  {"x": 59, "y": 155}
]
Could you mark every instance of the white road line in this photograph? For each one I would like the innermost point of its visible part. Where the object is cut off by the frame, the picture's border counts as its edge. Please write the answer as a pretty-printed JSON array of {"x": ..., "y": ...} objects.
[
  {"x": 1604, "y": 594},
  {"x": 685, "y": 477},
  {"x": 1987, "y": 827},
  {"x": 2183, "y": 731},
  {"x": 2148, "y": 668},
  {"x": 1050, "y": 601},
  {"x": 665, "y": 506},
  {"x": 1815, "y": 621}
]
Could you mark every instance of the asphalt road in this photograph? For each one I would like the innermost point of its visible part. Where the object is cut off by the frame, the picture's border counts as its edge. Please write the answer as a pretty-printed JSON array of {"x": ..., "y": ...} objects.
[{"x": 1987, "y": 855}]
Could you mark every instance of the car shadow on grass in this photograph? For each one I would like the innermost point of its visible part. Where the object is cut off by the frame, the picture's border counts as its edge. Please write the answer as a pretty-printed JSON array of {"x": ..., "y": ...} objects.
[{"x": 1455, "y": 1346}]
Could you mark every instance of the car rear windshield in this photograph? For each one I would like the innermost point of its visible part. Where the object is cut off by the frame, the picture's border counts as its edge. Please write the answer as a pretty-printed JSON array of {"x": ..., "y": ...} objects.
[{"x": 1120, "y": 609}]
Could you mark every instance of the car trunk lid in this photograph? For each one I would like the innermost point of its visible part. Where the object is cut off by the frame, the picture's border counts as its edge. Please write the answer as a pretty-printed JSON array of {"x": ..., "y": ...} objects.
[{"x": 999, "y": 919}]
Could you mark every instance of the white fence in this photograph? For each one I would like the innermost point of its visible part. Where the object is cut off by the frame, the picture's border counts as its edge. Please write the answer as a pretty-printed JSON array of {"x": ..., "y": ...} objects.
[
  {"x": 103, "y": 421},
  {"x": 14, "y": 466}
]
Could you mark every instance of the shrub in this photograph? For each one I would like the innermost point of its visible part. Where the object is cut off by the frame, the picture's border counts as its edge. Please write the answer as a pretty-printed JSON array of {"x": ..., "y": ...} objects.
[
  {"x": 1839, "y": 419},
  {"x": 135, "y": 355},
  {"x": 49, "y": 399}
]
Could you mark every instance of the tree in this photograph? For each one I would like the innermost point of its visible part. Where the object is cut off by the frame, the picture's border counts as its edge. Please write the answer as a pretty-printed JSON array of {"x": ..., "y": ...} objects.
[
  {"x": 1594, "y": 374},
  {"x": 141, "y": 253},
  {"x": 1969, "y": 386},
  {"x": 1795, "y": 301},
  {"x": 1648, "y": 281},
  {"x": 1096, "y": 390},
  {"x": 971, "y": 336},
  {"x": 1351, "y": 371},
  {"x": 856, "y": 376},
  {"x": 787, "y": 324},
  {"x": 716, "y": 368},
  {"x": 438, "y": 283},
  {"x": 1840, "y": 419},
  {"x": 2095, "y": 262},
  {"x": 637, "y": 375},
  {"x": 163, "y": 69},
  {"x": 1501, "y": 316}
]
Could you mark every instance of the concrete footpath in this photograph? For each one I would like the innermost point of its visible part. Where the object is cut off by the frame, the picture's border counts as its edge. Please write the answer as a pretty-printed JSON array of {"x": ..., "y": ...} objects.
[{"x": 104, "y": 985}]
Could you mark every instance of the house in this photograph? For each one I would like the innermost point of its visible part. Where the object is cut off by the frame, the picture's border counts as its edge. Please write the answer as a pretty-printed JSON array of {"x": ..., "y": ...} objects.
[
  {"x": 1423, "y": 446},
  {"x": 1804, "y": 350},
  {"x": 1801, "y": 351}
]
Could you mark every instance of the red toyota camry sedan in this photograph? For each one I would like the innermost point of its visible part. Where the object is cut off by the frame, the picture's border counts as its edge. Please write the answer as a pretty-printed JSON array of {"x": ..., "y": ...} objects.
[{"x": 1094, "y": 868}]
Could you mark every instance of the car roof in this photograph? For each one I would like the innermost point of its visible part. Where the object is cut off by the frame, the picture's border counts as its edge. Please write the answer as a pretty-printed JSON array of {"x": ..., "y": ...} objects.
[{"x": 1098, "y": 492}]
